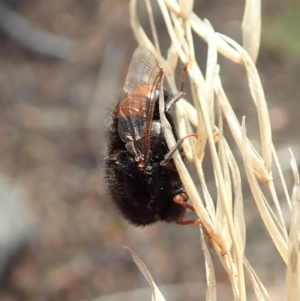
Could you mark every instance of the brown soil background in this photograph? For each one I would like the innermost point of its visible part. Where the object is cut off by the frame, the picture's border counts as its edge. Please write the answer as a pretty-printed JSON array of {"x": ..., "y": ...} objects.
[{"x": 52, "y": 133}]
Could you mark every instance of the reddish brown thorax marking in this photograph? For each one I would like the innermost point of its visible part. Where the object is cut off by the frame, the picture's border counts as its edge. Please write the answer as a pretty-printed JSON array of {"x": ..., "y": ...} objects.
[{"x": 134, "y": 106}]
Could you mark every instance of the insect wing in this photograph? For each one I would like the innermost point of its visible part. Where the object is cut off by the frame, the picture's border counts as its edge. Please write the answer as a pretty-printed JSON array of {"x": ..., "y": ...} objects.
[
  {"x": 144, "y": 70},
  {"x": 136, "y": 111}
]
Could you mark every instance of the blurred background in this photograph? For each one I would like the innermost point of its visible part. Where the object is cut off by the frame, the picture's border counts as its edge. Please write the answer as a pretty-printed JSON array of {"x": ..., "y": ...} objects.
[{"x": 62, "y": 62}]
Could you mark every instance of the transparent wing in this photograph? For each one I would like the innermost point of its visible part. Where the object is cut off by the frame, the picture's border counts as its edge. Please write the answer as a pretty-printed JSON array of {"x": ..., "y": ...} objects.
[
  {"x": 144, "y": 70},
  {"x": 136, "y": 110}
]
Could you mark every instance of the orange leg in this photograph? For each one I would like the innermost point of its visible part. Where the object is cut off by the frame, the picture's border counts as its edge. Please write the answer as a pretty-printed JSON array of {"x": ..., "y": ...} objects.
[
  {"x": 183, "y": 76},
  {"x": 181, "y": 199}
]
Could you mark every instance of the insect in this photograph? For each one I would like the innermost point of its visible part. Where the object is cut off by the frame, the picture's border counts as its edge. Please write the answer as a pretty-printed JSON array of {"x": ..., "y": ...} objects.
[{"x": 141, "y": 176}]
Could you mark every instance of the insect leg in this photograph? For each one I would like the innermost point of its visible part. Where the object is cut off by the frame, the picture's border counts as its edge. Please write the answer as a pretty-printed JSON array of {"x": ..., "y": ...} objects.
[
  {"x": 171, "y": 152},
  {"x": 170, "y": 103},
  {"x": 181, "y": 222},
  {"x": 181, "y": 199},
  {"x": 183, "y": 76}
]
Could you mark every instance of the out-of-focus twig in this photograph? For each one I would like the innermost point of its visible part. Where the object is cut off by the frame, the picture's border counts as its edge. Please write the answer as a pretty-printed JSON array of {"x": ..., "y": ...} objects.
[{"x": 36, "y": 39}]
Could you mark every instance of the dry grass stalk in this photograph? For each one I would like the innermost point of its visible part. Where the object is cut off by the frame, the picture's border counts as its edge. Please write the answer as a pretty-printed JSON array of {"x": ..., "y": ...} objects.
[{"x": 224, "y": 222}]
